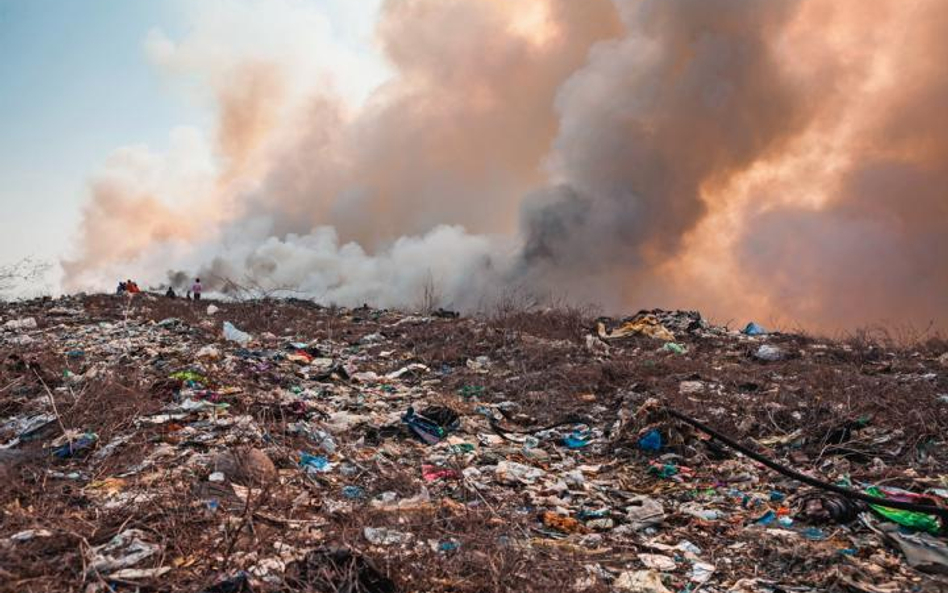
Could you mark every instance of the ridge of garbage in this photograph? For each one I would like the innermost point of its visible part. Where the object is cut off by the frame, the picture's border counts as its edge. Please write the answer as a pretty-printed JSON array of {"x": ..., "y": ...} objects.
[{"x": 279, "y": 445}]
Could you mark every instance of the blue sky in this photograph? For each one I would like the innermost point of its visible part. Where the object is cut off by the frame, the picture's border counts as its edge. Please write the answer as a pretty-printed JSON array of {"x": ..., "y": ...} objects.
[{"x": 75, "y": 84}]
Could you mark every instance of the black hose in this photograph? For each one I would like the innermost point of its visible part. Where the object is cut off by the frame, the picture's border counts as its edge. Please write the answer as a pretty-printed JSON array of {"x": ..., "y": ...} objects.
[{"x": 940, "y": 512}]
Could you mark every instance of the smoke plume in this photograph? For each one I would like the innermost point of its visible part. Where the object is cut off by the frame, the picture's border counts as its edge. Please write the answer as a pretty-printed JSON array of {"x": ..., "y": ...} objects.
[
  {"x": 690, "y": 95},
  {"x": 783, "y": 161},
  {"x": 874, "y": 245}
]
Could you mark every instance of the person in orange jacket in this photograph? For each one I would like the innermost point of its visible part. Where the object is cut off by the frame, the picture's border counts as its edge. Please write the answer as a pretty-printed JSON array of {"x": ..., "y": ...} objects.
[{"x": 131, "y": 287}]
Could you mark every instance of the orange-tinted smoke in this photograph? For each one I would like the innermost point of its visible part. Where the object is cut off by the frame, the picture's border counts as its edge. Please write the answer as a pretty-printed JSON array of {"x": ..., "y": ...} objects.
[
  {"x": 458, "y": 137},
  {"x": 874, "y": 245},
  {"x": 107, "y": 234},
  {"x": 124, "y": 217}
]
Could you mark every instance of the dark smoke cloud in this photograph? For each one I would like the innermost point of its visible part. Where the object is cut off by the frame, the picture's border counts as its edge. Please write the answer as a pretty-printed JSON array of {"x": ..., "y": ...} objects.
[
  {"x": 691, "y": 94},
  {"x": 178, "y": 279}
]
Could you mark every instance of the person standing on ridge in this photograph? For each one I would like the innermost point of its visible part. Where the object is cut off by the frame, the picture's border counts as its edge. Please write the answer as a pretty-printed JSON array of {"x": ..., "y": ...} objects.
[{"x": 196, "y": 289}]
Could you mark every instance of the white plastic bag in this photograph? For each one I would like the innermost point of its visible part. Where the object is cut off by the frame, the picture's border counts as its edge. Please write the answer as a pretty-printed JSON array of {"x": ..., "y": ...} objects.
[{"x": 235, "y": 335}]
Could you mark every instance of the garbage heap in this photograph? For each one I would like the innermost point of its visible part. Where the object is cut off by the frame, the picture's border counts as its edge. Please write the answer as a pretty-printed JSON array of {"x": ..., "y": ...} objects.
[{"x": 149, "y": 444}]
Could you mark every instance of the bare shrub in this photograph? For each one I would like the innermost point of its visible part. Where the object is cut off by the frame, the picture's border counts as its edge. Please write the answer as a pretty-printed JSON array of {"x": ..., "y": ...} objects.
[{"x": 431, "y": 296}]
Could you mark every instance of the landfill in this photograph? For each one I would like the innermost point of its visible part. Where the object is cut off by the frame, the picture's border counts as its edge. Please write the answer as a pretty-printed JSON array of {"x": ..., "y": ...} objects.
[{"x": 150, "y": 444}]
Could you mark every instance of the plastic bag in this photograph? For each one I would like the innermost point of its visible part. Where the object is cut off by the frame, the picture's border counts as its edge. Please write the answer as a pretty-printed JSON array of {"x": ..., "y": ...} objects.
[
  {"x": 235, "y": 335},
  {"x": 910, "y": 519}
]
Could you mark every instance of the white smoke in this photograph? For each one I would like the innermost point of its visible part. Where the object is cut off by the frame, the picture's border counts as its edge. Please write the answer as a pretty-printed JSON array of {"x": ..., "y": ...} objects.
[{"x": 458, "y": 269}]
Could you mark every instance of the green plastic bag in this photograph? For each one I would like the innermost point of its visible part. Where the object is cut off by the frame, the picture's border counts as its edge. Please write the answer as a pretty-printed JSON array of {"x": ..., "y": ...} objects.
[{"x": 910, "y": 519}]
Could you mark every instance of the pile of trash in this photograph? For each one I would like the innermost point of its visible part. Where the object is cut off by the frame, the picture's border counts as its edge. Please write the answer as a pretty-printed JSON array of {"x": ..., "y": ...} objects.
[{"x": 157, "y": 444}]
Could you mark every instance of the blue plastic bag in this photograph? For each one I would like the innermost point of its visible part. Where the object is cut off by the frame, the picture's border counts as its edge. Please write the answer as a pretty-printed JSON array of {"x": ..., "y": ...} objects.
[
  {"x": 752, "y": 329},
  {"x": 651, "y": 441}
]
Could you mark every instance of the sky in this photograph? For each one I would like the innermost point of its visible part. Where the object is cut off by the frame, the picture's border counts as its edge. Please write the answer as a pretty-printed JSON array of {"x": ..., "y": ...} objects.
[
  {"x": 74, "y": 84},
  {"x": 79, "y": 80}
]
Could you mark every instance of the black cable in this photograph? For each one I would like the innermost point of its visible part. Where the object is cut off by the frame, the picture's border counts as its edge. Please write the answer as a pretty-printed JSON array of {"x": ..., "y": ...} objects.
[{"x": 942, "y": 513}]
